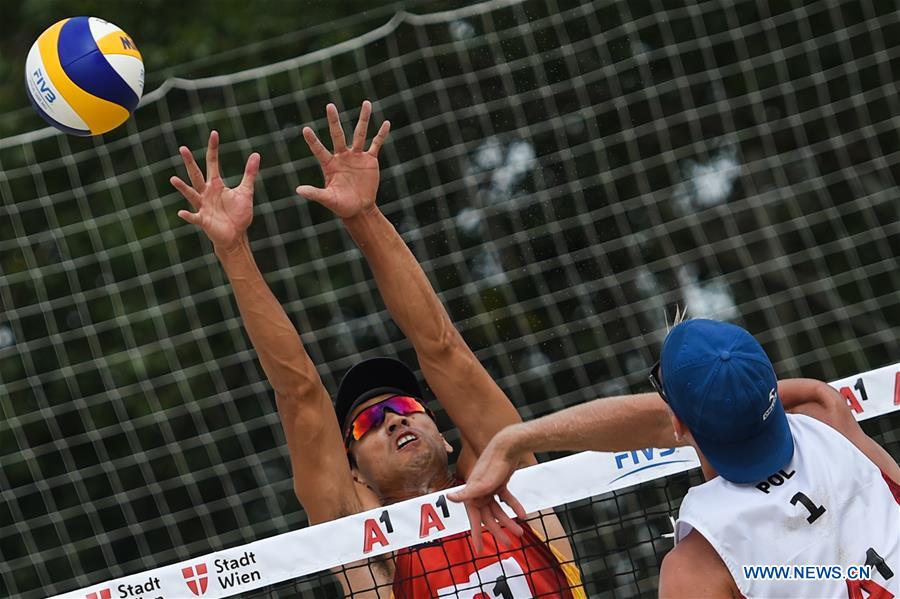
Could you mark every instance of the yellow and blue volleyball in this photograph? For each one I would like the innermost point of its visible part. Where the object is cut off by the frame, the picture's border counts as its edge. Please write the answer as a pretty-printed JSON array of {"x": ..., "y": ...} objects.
[{"x": 84, "y": 76}]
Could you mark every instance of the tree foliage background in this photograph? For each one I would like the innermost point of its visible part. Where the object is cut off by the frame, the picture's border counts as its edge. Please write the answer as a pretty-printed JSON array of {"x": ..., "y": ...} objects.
[
  {"x": 565, "y": 170},
  {"x": 194, "y": 39}
]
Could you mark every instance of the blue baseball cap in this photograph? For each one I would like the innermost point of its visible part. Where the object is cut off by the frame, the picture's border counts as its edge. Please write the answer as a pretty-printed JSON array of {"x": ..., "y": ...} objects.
[{"x": 721, "y": 384}]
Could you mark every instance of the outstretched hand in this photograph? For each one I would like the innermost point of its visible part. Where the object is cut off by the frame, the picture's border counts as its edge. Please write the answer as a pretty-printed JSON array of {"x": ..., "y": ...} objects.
[
  {"x": 484, "y": 485},
  {"x": 351, "y": 174},
  {"x": 224, "y": 214}
]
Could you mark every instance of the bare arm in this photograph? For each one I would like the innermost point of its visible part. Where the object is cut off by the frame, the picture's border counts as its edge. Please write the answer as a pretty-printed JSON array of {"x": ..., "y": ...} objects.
[
  {"x": 824, "y": 403},
  {"x": 322, "y": 479},
  {"x": 638, "y": 421},
  {"x": 694, "y": 569},
  {"x": 613, "y": 424},
  {"x": 624, "y": 423},
  {"x": 454, "y": 373},
  {"x": 452, "y": 370}
]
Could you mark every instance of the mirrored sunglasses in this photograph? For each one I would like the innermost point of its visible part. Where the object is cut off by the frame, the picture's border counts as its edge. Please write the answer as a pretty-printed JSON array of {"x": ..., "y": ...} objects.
[{"x": 373, "y": 416}]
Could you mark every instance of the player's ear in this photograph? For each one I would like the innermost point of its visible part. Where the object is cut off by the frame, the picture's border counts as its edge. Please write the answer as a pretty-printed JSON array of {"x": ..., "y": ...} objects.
[
  {"x": 681, "y": 431},
  {"x": 358, "y": 478},
  {"x": 447, "y": 447}
]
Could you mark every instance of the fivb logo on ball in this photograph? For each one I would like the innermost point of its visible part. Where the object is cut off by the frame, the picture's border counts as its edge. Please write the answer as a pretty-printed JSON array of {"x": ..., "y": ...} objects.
[{"x": 84, "y": 76}]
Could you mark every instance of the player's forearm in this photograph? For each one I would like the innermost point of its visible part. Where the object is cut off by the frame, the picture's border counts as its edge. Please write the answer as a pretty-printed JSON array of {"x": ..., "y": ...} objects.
[
  {"x": 285, "y": 362},
  {"x": 619, "y": 423},
  {"x": 406, "y": 291},
  {"x": 616, "y": 424},
  {"x": 612, "y": 424}
]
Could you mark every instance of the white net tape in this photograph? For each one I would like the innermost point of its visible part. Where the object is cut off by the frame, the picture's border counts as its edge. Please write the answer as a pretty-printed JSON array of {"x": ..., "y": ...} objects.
[
  {"x": 360, "y": 536},
  {"x": 562, "y": 170}
]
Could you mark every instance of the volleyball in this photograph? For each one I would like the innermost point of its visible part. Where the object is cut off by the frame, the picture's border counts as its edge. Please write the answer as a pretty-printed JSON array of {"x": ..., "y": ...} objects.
[{"x": 84, "y": 76}]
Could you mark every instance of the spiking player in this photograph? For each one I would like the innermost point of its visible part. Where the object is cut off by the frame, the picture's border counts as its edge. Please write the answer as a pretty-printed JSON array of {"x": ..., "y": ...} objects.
[{"x": 808, "y": 488}]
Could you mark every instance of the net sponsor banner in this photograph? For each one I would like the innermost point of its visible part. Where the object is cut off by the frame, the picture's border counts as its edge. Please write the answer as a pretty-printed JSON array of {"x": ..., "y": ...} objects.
[
  {"x": 872, "y": 394},
  {"x": 431, "y": 517}
]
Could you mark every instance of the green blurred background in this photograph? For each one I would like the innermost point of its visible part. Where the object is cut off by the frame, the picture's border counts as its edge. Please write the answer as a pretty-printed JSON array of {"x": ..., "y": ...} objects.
[
  {"x": 195, "y": 39},
  {"x": 565, "y": 170}
]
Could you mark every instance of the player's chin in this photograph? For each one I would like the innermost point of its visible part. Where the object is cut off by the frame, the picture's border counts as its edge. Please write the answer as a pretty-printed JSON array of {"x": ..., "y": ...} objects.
[
  {"x": 418, "y": 454},
  {"x": 413, "y": 452},
  {"x": 410, "y": 447}
]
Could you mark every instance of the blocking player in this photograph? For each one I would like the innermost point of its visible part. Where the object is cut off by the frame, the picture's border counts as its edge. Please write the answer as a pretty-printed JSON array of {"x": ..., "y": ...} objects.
[
  {"x": 379, "y": 444},
  {"x": 806, "y": 488}
]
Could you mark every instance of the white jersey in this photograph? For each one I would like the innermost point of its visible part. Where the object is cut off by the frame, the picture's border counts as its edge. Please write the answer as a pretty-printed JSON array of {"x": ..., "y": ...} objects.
[{"x": 831, "y": 506}]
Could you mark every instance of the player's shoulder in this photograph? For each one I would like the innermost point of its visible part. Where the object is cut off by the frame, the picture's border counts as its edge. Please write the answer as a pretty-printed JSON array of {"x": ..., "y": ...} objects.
[
  {"x": 693, "y": 568},
  {"x": 818, "y": 400}
]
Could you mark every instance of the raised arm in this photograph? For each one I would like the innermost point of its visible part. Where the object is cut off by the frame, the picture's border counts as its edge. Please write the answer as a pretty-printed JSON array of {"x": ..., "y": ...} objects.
[
  {"x": 453, "y": 372},
  {"x": 626, "y": 423},
  {"x": 322, "y": 479}
]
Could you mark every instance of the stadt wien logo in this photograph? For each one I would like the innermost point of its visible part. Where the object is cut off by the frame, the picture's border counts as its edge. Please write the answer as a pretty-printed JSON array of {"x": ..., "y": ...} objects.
[{"x": 196, "y": 578}]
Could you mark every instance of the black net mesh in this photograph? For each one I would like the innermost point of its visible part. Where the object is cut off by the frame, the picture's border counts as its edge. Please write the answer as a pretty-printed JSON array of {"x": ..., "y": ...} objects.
[{"x": 563, "y": 170}]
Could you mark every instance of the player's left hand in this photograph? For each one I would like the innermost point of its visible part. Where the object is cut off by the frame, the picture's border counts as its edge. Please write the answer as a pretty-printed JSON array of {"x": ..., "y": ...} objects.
[
  {"x": 351, "y": 174},
  {"x": 222, "y": 212},
  {"x": 484, "y": 485}
]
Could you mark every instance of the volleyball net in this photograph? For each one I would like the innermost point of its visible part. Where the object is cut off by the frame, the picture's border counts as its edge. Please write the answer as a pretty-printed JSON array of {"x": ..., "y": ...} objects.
[
  {"x": 581, "y": 482},
  {"x": 564, "y": 171}
]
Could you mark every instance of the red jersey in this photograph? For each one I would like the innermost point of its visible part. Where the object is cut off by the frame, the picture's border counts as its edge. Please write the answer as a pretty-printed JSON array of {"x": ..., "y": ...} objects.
[{"x": 448, "y": 568}]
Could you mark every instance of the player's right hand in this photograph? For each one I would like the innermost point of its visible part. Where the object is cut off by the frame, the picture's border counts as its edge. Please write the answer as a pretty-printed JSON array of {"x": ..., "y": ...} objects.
[
  {"x": 223, "y": 213},
  {"x": 484, "y": 485}
]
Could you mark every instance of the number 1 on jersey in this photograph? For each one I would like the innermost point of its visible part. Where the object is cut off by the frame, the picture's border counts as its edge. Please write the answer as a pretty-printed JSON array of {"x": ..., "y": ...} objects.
[{"x": 814, "y": 510}]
